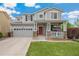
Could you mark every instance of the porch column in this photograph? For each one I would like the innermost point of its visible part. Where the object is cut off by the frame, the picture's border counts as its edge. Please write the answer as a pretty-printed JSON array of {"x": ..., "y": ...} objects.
[
  {"x": 48, "y": 30},
  {"x": 65, "y": 29},
  {"x": 35, "y": 29},
  {"x": 48, "y": 27}
]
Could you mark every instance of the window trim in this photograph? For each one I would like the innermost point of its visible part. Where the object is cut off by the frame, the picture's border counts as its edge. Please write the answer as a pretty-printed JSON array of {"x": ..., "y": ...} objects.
[
  {"x": 26, "y": 17},
  {"x": 53, "y": 15},
  {"x": 31, "y": 17},
  {"x": 41, "y": 15}
]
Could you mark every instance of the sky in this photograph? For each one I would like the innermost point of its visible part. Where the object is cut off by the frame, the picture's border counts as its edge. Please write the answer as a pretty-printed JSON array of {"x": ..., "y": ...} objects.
[{"x": 71, "y": 10}]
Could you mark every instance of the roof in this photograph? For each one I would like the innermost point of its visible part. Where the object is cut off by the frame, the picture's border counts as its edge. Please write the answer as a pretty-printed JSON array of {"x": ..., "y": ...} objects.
[
  {"x": 48, "y": 9},
  {"x": 40, "y": 11},
  {"x": 5, "y": 13},
  {"x": 43, "y": 10}
]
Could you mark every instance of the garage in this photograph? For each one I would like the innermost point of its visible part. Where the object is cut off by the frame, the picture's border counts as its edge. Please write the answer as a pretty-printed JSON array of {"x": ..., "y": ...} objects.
[{"x": 23, "y": 32}]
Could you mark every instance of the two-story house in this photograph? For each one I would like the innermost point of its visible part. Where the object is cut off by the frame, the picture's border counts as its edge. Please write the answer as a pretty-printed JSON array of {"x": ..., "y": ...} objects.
[{"x": 45, "y": 22}]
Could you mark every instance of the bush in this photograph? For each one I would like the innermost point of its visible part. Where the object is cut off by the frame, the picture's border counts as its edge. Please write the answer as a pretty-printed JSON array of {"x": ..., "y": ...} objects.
[
  {"x": 1, "y": 35},
  {"x": 73, "y": 33}
]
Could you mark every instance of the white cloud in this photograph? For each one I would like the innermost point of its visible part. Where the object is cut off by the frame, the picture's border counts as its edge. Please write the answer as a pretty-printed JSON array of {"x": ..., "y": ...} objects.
[
  {"x": 8, "y": 10},
  {"x": 65, "y": 13},
  {"x": 37, "y": 6},
  {"x": 72, "y": 14},
  {"x": 12, "y": 17},
  {"x": 9, "y": 5},
  {"x": 18, "y": 12},
  {"x": 31, "y": 3}
]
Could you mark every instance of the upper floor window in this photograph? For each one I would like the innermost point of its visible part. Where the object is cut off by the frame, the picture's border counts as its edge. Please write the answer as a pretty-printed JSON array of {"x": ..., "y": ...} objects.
[
  {"x": 31, "y": 17},
  {"x": 18, "y": 19},
  {"x": 41, "y": 16},
  {"x": 52, "y": 15},
  {"x": 55, "y": 15},
  {"x": 44, "y": 13},
  {"x": 26, "y": 18}
]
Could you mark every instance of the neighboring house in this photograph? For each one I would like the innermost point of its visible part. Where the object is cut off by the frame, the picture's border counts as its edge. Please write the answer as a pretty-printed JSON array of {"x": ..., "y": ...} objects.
[
  {"x": 4, "y": 23},
  {"x": 45, "y": 22}
]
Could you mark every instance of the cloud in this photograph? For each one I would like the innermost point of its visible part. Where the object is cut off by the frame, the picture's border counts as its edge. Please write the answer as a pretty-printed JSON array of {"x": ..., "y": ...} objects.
[
  {"x": 32, "y": 3},
  {"x": 10, "y": 9},
  {"x": 10, "y": 5},
  {"x": 71, "y": 14},
  {"x": 37, "y": 6},
  {"x": 12, "y": 17}
]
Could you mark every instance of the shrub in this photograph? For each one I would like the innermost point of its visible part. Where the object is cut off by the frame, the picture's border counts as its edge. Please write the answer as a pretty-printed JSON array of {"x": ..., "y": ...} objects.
[
  {"x": 1, "y": 35},
  {"x": 73, "y": 33}
]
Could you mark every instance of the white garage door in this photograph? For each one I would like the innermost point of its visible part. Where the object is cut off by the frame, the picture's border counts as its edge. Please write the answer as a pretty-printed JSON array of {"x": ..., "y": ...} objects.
[{"x": 23, "y": 32}]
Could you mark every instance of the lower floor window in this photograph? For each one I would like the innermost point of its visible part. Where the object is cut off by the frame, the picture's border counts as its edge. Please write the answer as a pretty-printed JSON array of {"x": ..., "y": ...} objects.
[{"x": 54, "y": 28}]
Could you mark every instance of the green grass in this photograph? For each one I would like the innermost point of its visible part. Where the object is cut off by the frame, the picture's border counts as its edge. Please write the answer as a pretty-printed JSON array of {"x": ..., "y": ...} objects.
[{"x": 54, "y": 49}]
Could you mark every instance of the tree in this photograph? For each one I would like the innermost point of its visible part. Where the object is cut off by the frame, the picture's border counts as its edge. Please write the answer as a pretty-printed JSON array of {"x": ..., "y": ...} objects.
[{"x": 69, "y": 25}]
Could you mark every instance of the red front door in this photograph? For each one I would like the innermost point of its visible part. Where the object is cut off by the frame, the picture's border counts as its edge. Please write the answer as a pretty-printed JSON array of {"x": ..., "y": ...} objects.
[{"x": 40, "y": 31}]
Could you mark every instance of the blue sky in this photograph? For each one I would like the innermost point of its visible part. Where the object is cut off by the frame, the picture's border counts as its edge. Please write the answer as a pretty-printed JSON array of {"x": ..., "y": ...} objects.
[{"x": 71, "y": 10}]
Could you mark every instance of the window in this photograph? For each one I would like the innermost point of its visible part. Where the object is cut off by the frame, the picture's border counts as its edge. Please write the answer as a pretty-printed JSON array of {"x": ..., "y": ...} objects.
[
  {"x": 14, "y": 28},
  {"x": 52, "y": 15},
  {"x": 18, "y": 19},
  {"x": 41, "y": 16},
  {"x": 52, "y": 26},
  {"x": 31, "y": 17},
  {"x": 26, "y": 18},
  {"x": 55, "y": 28},
  {"x": 55, "y": 15},
  {"x": 44, "y": 13}
]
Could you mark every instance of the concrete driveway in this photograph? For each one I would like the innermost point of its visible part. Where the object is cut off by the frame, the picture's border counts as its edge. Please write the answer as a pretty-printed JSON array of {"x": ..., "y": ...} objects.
[{"x": 14, "y": 46}]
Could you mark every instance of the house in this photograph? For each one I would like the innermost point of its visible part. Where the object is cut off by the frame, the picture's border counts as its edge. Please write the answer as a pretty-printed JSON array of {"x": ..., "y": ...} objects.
[
  {"x": 4, "y": 23},
  {"x": 45, "y": 22}
]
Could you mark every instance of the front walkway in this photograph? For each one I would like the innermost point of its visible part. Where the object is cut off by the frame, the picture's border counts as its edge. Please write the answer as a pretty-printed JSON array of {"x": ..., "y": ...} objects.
[{"x": 14, "y": 46}]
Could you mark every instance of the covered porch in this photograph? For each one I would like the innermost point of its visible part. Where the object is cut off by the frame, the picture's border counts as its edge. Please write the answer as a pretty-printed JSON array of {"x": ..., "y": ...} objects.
[{"x": 50, "y": 30}]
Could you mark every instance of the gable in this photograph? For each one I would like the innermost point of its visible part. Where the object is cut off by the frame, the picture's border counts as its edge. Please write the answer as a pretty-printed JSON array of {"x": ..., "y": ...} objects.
[{"x": 48, "y": 9}]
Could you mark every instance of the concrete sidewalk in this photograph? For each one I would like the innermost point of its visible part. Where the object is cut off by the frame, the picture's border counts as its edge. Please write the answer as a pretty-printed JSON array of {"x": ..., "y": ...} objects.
[{"x": 14, "y": 46}]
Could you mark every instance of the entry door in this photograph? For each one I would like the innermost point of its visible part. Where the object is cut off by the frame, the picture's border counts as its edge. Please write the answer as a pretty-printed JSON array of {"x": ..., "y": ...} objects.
[{"x": 40, "y": 30}]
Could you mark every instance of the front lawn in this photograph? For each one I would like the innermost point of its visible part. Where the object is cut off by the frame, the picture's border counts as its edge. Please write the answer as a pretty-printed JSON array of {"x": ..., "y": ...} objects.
[{"x": 54, "y": 49}]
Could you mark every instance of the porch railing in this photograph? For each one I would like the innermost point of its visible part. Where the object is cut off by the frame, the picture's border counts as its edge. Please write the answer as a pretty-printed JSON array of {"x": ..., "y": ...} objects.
[{"x": 55, "y": 34}]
